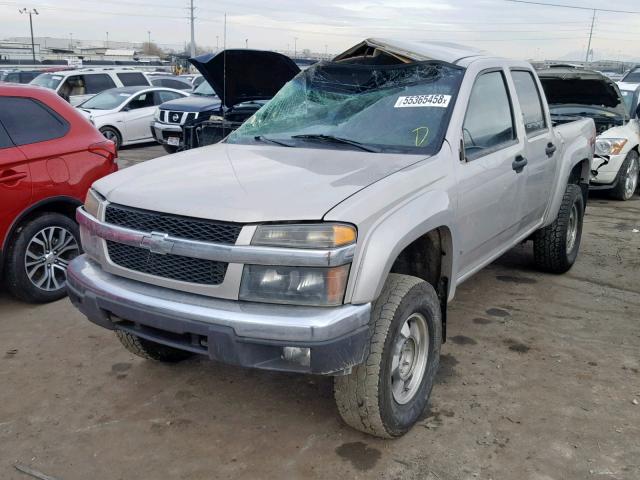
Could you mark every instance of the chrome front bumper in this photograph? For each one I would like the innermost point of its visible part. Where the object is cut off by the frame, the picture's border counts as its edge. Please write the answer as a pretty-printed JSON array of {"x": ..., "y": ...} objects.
[{"x": 243, "y": 333}]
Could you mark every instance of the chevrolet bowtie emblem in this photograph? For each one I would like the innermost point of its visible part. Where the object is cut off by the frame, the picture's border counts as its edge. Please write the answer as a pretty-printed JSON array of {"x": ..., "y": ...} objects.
[{"x": 157, "y": 243}]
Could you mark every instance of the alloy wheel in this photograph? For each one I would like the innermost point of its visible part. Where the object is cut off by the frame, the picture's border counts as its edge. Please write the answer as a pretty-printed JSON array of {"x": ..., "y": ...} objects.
[{"x": 47, "y": 257}]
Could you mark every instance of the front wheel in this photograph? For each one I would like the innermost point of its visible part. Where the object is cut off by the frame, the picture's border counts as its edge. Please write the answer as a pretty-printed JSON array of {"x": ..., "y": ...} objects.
[
  {"x": 627, "y": 181},
  {"x": 112, "y": 134},
  {"x": 386, "y": 395},
  {"x": 555, "y": 247},
  {"x": 169, "y": 148}
]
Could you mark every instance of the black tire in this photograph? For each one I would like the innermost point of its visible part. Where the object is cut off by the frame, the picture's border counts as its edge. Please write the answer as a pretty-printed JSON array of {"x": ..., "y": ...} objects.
[
  {"x": 551, "y": 251},
  {"x": 619, "y": 192},
  {"x": 112, "y": 134},
  {"x": 17, "y": 277},
  {"x": 365, "y": 398},
  {"x": 169, "y": 148},
  {"x": 151, "y": 350}
]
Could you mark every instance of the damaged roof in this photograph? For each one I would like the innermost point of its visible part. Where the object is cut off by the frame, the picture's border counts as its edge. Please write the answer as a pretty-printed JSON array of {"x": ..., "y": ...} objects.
[{"x": 414, "y": 51}]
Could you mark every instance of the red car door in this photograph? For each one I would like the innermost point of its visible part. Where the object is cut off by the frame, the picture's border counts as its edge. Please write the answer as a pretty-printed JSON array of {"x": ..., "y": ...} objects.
[{"x": 15, "y": 183}]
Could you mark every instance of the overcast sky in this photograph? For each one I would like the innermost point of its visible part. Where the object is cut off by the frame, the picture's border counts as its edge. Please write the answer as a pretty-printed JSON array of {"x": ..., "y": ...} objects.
[{"x": 506, "y": 28}]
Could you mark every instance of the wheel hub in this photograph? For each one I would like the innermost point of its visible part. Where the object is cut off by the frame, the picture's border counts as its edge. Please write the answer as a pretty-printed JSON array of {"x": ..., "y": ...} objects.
[
  {"x": 48, "y": 253},
  {"x": 410, "y": 356},
  {"x": 572, "y": 228},
  {"x": 631, "y": 180}
]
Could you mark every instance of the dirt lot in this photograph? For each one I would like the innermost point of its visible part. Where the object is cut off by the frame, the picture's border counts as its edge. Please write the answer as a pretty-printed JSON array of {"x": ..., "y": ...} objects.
[{"x": 538, "y": 381}]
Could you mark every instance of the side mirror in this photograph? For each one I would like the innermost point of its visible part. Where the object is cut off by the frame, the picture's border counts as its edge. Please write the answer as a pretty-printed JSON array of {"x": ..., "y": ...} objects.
[{"x": 126, "y": 108}]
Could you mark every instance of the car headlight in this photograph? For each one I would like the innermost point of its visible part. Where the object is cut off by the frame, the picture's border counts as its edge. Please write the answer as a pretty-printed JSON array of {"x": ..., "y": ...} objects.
[
  {"x": 92, "y": 202},
  {"x": 298, "y": 285},
  {"x": 610, "y": 146},
  {"x": 156, "y": 114},
  {"x": 320, "y": 235},
  {"x": 294, "y": 285}
]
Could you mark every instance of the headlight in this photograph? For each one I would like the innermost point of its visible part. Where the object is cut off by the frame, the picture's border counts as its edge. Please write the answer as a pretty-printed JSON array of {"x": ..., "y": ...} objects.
[
  {"x": 610, "y": 146},
  {"x": 156, "y": 114},
  {"x": 294, "y": 285},
  {"x": 322, "y": 235},
  {"x": 92, "y": 202}
]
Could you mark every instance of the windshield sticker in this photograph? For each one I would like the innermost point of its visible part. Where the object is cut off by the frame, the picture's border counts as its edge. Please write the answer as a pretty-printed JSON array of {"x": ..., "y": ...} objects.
[
  {"x": 421, "y": 135},
  {"x": 434, "y": 100}
]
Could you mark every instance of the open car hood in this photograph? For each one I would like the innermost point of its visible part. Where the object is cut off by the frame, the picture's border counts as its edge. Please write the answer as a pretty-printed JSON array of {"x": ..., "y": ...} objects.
[
  {"x": 250, "y": 74},
  {"x": 581, "y": 87}
]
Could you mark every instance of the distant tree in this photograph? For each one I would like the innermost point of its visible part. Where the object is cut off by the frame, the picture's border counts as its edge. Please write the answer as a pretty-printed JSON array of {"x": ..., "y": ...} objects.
[{"x": 151, "y": 48}]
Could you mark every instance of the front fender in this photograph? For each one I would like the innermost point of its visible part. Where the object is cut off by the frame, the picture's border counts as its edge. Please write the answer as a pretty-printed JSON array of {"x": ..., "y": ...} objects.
[{"x": 394, "y": 231}]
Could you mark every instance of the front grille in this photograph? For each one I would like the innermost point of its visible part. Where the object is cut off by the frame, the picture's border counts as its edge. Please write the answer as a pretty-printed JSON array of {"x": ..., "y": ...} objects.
[
  {"x": 174, "y": 267},
  {"x": 174, "y": 225}
]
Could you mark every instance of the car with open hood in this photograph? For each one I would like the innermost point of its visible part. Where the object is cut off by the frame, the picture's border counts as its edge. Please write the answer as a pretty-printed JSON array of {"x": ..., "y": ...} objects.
[
  {"x": 575, "y": 93},
  {"x": 328, "y": 233},
  {"x": 237, "y": 84}
]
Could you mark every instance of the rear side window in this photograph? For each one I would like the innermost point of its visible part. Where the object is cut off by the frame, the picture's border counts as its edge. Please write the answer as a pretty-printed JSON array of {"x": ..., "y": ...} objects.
[
  {"x": 132, "y": 79},
  {"x": 530, "y": 102},
  {"x": 170, "y": 83},
  {"x": 29, "y": 121},
  {"x": 5, "y": 141},
  {"x": 489, "y": 120},
  {"x": 12, "y": 77},
  {"x": 98, "y": 82}
]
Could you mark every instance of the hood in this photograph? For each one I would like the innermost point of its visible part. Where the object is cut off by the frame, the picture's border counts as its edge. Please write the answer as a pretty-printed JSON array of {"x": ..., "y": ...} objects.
[
  {"x": 250, "y": 74},
  {"x": 250, "y": 183},
  {"x": 192, "y": 103},
  {"x": 581, "y": 87}
]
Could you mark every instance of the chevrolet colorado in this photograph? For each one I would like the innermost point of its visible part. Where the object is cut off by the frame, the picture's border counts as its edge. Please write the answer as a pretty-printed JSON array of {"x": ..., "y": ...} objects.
[{"x": 328, "y": 233}]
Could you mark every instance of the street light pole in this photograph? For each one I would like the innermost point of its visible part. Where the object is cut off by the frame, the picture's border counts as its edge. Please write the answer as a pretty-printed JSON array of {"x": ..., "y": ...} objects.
[
  {"x": 295, "y": 47},
  {"x": 193, "y": 34},
  {"x": 33, "y": 45},
  {"x": 593, "y": 19},
  {"x": 107, "y": 44}
]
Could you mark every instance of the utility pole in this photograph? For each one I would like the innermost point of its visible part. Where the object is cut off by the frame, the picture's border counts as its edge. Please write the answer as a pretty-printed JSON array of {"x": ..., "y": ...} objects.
[
  {"x": 106, "y": 45},
  {"x": 193, "y": 32},
  {"x": 593, "y": 20},
  {"x": 33, "y": 45},
  {"x": 71, "y": 41},
  {"x": 295, "y": 47},
  {"x": 149, "y": 37}
]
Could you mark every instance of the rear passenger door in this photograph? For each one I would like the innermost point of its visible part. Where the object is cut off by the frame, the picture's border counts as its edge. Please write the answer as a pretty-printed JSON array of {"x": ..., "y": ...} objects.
[
  {"x": 488, "y": 185},
  {"x": 539, "y": 149},
  {"x": 15, "y": 182}
]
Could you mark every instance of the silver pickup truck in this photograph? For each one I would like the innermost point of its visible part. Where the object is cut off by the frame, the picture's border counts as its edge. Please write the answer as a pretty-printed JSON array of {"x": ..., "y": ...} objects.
[{"x": 328, "y": 233}]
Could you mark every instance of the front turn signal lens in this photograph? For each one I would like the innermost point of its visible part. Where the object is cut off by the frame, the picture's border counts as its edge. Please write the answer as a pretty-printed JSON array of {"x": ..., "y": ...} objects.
[{"x": 313, "y": 235}]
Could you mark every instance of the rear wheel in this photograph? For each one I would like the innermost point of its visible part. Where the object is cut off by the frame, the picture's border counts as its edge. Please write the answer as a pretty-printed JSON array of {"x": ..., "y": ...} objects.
[
  {"x": 39, "y": 256},
  {"x": 555, "y": 247},
  {"x": 627, "y": 180},
  {"x": 151, "y": 350},
  {"x": 112, "y": 134},
  {"x": 386, "y": 395}
]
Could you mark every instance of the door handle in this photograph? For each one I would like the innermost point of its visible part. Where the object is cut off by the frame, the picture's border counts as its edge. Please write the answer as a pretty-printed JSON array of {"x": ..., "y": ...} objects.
[
  {"x": 12, "y": 177},
  {"x": 550, "y": 150},
  {"x": 519, "y": 163}
]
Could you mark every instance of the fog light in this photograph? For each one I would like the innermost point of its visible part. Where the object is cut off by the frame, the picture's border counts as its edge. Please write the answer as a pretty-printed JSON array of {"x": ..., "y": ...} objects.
[{"x": 301, "y": 356}]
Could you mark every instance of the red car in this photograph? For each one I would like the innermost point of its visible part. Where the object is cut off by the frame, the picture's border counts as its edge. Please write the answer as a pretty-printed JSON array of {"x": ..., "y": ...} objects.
[{"x": 49, "y": 157}]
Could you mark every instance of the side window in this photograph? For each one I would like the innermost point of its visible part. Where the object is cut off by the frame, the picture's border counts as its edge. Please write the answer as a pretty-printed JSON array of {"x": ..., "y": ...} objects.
[
  {"x": 489, "y": 120},
  {"x": 530, "y": 102},
  {"x": 132, "y": 79},
  {"x": 29, "y": 121},
  {"x": 98, "y": 82},
  {"x": 12, "y": 77},
  {"x": 5, "y": 141},
  {"x": 176, "y": 84},
  {"x": 162, "y": 97},
  {"x": 143, "y": 100}
]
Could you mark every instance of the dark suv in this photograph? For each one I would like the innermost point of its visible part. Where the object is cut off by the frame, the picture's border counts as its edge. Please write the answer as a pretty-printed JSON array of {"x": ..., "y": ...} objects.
[{"x": 238, "y": 83}]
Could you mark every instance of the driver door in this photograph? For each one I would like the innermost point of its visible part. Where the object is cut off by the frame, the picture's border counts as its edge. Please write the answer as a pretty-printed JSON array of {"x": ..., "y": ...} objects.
[{"x": 137, "y": 116}]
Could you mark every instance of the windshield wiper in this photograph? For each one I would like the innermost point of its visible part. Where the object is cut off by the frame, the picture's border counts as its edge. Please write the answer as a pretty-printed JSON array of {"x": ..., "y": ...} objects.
[
  {"x": 333, "y": 139},
  {"x": 262, "y": 138}
]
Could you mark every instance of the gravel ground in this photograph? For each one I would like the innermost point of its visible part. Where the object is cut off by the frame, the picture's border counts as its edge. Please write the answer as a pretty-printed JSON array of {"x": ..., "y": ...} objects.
[{"x": 540, "y": 379}]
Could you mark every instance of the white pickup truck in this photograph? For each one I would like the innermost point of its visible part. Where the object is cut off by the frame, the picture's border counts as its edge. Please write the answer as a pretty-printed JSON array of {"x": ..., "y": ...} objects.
[{"x": 328, "y": 233}]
